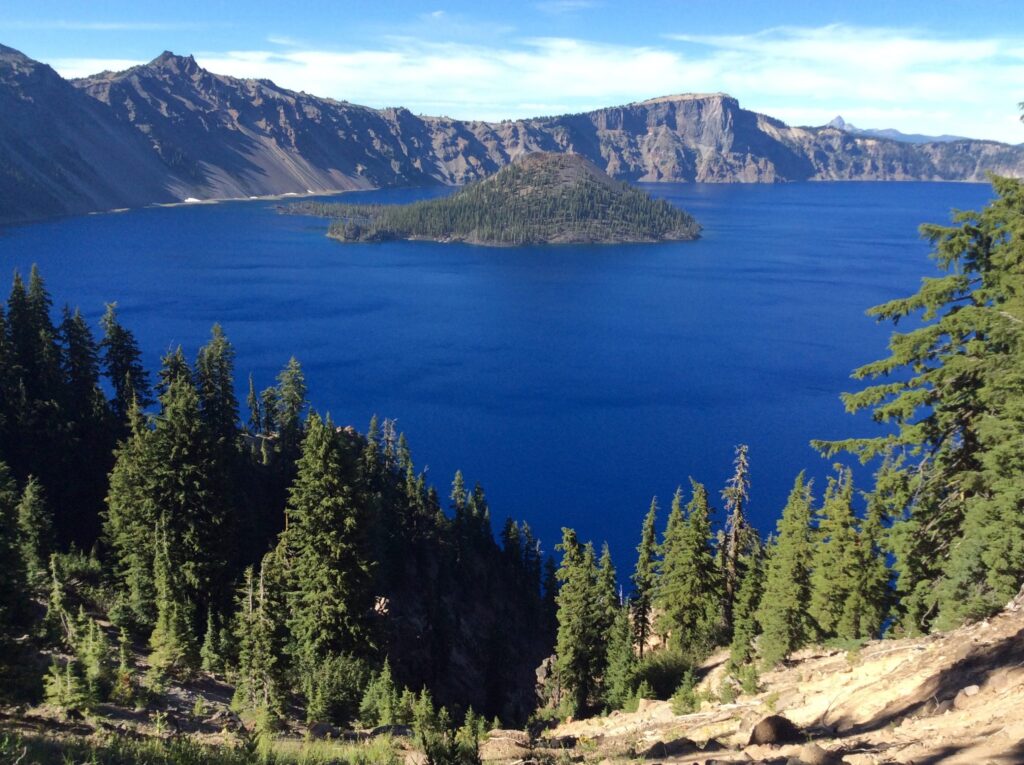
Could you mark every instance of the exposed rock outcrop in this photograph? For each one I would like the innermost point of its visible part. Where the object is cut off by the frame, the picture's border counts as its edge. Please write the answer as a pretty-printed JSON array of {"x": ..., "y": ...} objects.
[{"x": 170, "y": 130}]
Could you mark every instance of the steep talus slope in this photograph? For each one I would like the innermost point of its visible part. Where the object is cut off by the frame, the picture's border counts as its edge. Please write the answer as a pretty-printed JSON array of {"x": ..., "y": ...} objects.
[
  {"x": 954, "y": 698},
  {"x": 169, "y": 130},
  {"x": 61, "y": 153}
]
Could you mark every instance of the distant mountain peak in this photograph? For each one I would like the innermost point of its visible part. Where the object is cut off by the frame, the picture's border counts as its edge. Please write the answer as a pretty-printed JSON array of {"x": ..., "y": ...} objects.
[
  {"x": 839, "y": 123},
  {"x": 172, "y": 62}
]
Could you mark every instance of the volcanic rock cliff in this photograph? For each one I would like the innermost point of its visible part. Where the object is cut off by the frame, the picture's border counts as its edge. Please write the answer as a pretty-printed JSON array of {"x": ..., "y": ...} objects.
[{"x": 169, "y": 130}]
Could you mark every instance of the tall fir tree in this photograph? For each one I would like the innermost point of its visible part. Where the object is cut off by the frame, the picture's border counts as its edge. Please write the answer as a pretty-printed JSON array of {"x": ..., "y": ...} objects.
[
  {"x": 737, "y": 531},
  {"x": 834, "y": 575},
  {"x": 953, "y": 394},
  {"x": 645, "y": 577},
  {"x": 688, "y": 593},
  {"x": 122, "y": 362},
  {"x": 35, "y": 525},
  {"x": 130, "y": 522},
  {"x": 607, "y": 591},
  {"x": 580, "y": 648},
  {"x": 13, "y": 585},
  {"x": 332, "y": 598},
  {"x": 782, "y": 615},
  {"x": 748, "y": 598},
  {"x": 620, "y": 676}
]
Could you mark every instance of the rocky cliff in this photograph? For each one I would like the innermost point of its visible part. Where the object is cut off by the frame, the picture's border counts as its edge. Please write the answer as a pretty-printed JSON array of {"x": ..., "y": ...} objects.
[{"x": 170, "y": 130}]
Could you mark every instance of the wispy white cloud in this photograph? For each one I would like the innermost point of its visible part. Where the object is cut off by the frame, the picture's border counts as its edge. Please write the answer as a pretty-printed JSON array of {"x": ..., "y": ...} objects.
[{"x": 874, "y": 77}]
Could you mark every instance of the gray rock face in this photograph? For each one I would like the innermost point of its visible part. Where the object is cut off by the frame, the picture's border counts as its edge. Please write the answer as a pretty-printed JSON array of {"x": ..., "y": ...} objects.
[{"x": 169, "y": 130}]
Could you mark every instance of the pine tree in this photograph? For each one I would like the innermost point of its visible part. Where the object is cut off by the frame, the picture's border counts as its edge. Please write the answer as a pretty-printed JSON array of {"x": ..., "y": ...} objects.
[
  {"x": 782, "y": 615},
  {"x": 748, "y": 598},
  {"x": 607, "y": 592},
  {"x": 252, "y": 401},
  {"x": 688, "y": 594},
  {"x": 131, "y": 519},
  {"x": 57, "y": 624},
  {"x": 291, "y": 404},
  {"x": 211, "y": 658},
  {"x": 173, "y": 650},
  {"x": 326, "y": 545},
  {"x": 644, "y": 578},
  {"x": 737, "y": 530},
  {"x": 35, "y": 525},
  {"x": 580, "y": 649},
  {"x": 13, "y": 584},
  {"x": 833, "y": 580},
  {"x": 954, "y": 397},
  {"x": 620, "y": 677},
  {"x": 257, "y": 687},
  {"x": 122, "y": 362}
]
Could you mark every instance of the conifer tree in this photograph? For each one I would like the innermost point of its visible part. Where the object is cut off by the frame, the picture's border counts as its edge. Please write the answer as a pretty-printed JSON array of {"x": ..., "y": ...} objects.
[
  {"x": 172, "y": 642},
  {"x": 326, "y": 545},
  {"x": 607, "y": 591},
  {"x": 252, "y": 401},
  {"x": 290, "y": 404},
  {"x": 737, "y": 530},
  {"x": 35, "y": 525},
  {"x": 13, "y": 584},
  {"x": 644, "y": 578},
  {"x": 688, "y": 595},
  {"x": 257, "y": 687},
  {"x": 131, "y": 519},
  {"x": 748, "y": 598},
  {"x": 620, "y": 677},
  {"x": 833, "y": 580},
  {"x": 580, "y": 649},
  {"x": 954, "y": 397},
  {"x": 122, "y": 362},
  {"x": 57, "y": 624},
  {"x": 782, "y": 615}
]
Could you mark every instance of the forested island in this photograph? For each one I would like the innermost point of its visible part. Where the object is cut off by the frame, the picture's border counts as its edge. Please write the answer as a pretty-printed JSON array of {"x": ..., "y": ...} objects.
[
  {"x": 177, "y": 569},
  {"x": 540, "y": 198}
]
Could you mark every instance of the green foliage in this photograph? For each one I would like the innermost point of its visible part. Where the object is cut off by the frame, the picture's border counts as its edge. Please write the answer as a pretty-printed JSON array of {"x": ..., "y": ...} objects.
[
  {"x": 622, "y": 664},
  {"x": 67, "y": 689},
  {"x": 662, "y": 671},
  {"x": 685, "y": 699},
  {"x": 739, "y": 535},
  {"x": 548, "y": 198},
  {"x": 645, "y": 578},
  {"x": 13, "y": 585},
  {"x": 782, "y": 614},
  {"x": 35, "y": 525},
  {"x": 382, "y": 703},
  {"x": 580, "y": 646},
  {"x": 745, "y": 630},
  {"x": 688, "y": 594},
  {"x": 953, "y": 394}
]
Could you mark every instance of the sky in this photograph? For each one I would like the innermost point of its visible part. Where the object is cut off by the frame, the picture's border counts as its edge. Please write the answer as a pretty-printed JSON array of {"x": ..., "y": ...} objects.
[{"x": 932, "y": 67}]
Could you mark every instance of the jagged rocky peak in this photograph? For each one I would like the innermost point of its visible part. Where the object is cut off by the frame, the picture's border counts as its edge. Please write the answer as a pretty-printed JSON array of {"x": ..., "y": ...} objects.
[
  {"x": 171, "y": 62},
  {"x": 838, "y": 123}
]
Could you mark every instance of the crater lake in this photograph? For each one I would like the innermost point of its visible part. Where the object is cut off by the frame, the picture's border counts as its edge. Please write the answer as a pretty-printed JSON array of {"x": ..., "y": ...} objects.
[{"x": 572, "y": 382}]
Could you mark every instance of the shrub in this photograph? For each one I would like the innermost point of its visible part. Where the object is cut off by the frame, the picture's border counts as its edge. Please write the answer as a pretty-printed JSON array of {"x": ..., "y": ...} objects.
[{"x": 685, "y": 699}]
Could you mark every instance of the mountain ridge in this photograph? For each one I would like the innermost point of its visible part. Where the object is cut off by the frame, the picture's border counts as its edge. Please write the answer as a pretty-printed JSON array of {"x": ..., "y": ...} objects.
[{"x": 170, "y": 130}]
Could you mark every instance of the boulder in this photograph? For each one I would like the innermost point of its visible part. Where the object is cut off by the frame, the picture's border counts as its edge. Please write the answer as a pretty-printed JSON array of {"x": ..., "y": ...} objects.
[
  {"x": 322, "y": 730},
  {"x": 963, "y": 698},
  {"x": 812, "y": 754},
  {"x": 775, "y": 730},
  {"x": 665, "y": 749},
  {"x": 398, "y": 731},
  {"x": 500, "y": 748}
]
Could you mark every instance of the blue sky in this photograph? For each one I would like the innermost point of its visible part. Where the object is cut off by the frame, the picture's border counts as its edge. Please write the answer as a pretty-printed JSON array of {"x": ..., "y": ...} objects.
[{"x": 933, "y": 67}]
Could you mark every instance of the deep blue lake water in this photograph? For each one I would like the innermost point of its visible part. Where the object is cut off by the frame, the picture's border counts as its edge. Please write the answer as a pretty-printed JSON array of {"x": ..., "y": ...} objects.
[{"x": 573, "y": 382}]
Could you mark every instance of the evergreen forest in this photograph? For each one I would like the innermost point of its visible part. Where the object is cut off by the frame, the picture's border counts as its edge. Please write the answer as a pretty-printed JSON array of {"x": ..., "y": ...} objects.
[
  {"x": 153, "y": 528},
  {"x": 538, "y": 199}
]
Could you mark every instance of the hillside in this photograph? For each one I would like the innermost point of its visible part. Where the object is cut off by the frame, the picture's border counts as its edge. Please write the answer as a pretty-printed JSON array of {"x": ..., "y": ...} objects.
[
  {"x": 950, "y": 698},
  {"x": 540, "y": 198},
  {"x": 170, "y": 130}
]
